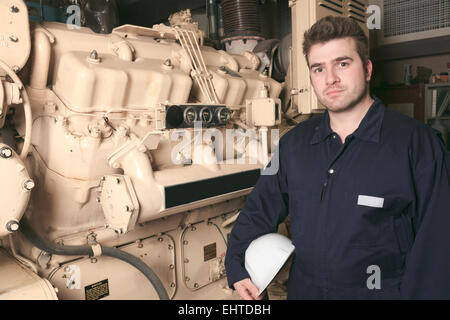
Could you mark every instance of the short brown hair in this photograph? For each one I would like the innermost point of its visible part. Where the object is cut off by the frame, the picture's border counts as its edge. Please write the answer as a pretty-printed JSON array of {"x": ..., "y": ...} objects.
[{"x": 332, "y": 27}]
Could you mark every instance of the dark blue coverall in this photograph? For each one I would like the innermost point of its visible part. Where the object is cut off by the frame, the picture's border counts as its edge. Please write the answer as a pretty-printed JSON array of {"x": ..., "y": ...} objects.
[{"x": 380, "y": 199}]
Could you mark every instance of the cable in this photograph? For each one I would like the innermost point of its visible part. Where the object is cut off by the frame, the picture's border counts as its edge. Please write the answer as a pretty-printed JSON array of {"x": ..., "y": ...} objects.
[{"x": 62, "y": 250}]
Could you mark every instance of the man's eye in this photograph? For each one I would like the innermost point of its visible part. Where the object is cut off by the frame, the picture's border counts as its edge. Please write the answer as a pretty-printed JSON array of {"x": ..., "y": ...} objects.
[
  {"x": 343, "y": 64},
  {"x": 317, "y": 70}
]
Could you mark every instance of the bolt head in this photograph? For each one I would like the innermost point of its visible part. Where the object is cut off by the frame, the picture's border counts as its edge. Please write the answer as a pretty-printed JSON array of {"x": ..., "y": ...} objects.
[
  {"x": 29, "y": 185},
  {"x": 14, "y": 9},
  {"x": 6, "y": 152},
  {"x": 12, "y": 226},
  {"x": 94, "y": 55}
]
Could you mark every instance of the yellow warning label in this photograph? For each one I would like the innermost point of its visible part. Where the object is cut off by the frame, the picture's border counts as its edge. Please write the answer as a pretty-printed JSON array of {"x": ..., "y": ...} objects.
[{"x": 97, "y": 290}]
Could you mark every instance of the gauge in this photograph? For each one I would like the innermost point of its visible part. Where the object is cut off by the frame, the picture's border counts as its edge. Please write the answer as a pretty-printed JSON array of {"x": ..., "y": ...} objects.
[
  {"x": 223, "y": 115},
  {"x": 174, "y": 117},
  {"x": 206, "y": 115},
  {"x": 190, "y": 116}
]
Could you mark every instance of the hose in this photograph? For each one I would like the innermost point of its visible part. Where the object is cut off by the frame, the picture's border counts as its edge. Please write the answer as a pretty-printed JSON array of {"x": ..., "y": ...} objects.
[
  {"x": 62, "y": 250},
  {"x": 27, "y": 109}
]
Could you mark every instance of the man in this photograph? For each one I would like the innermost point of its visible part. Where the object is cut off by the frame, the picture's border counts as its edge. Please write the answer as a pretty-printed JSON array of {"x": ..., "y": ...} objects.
[{"x": 366, "y": 188}]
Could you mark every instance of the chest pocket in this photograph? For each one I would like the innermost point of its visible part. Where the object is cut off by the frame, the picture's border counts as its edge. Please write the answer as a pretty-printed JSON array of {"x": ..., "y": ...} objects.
[{"x": 372, "y": 220}]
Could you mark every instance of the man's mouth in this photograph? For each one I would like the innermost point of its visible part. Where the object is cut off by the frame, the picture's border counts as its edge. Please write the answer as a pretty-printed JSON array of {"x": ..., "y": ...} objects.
[{"x": 333, "y": 92}]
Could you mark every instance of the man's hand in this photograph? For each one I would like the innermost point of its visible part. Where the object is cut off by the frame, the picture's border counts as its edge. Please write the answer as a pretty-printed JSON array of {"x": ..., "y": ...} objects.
[{"x": 247, "y": 290}]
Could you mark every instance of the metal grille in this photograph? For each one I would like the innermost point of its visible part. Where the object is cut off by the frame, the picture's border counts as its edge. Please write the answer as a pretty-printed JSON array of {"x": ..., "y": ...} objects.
[
  {"x": 355, "y": 9},
  {"x": 409, "y": 16}
]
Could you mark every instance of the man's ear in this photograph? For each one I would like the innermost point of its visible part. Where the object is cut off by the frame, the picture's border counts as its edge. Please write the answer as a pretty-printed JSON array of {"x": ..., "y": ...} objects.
[{"x": 369, "y": 69}]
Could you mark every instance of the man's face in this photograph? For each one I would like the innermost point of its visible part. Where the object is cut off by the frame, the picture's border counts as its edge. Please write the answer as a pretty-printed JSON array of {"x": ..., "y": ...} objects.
[{"x": 338, "y": 75}]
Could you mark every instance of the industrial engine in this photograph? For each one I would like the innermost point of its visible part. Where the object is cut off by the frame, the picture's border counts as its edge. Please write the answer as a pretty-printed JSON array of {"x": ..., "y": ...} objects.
[{"x": 125, "y": 157}]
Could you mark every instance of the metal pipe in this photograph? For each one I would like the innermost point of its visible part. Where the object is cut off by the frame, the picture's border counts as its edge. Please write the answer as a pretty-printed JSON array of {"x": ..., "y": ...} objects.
[
  {"x": 137, "y": 166},
  {"x": 41, "y": 59},
  {"x": 211, "y": 9}
]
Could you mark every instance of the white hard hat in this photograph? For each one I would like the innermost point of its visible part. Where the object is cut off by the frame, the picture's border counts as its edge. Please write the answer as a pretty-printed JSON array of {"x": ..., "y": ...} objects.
[{"x": 265, "y": 256}]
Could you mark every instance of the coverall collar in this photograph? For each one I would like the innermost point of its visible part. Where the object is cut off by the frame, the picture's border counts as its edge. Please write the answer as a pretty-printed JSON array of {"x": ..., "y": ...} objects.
[{"x": 369, "y": 129}]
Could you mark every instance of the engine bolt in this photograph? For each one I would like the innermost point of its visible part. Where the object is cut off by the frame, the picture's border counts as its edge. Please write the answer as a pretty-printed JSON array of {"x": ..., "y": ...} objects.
[
  {"x": 172, "y": 285},
  {"x": 196, "y": 285},
  {"x": 94, "y": 55},
  {"x": 29, "y": 185},
  {"x": 12, "y": 226},
  {"x": 14, "y": 39},
  {"x": 14, "y": 9},
  {"x": 168, "y": 62},
  {"x": 171, "y": 266},
  {"x": 6, "y": 152}
]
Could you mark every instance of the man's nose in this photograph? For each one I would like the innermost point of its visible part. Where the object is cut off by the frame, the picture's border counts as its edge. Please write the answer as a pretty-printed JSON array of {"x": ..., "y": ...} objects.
[{"x": 332, "y": 77}]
